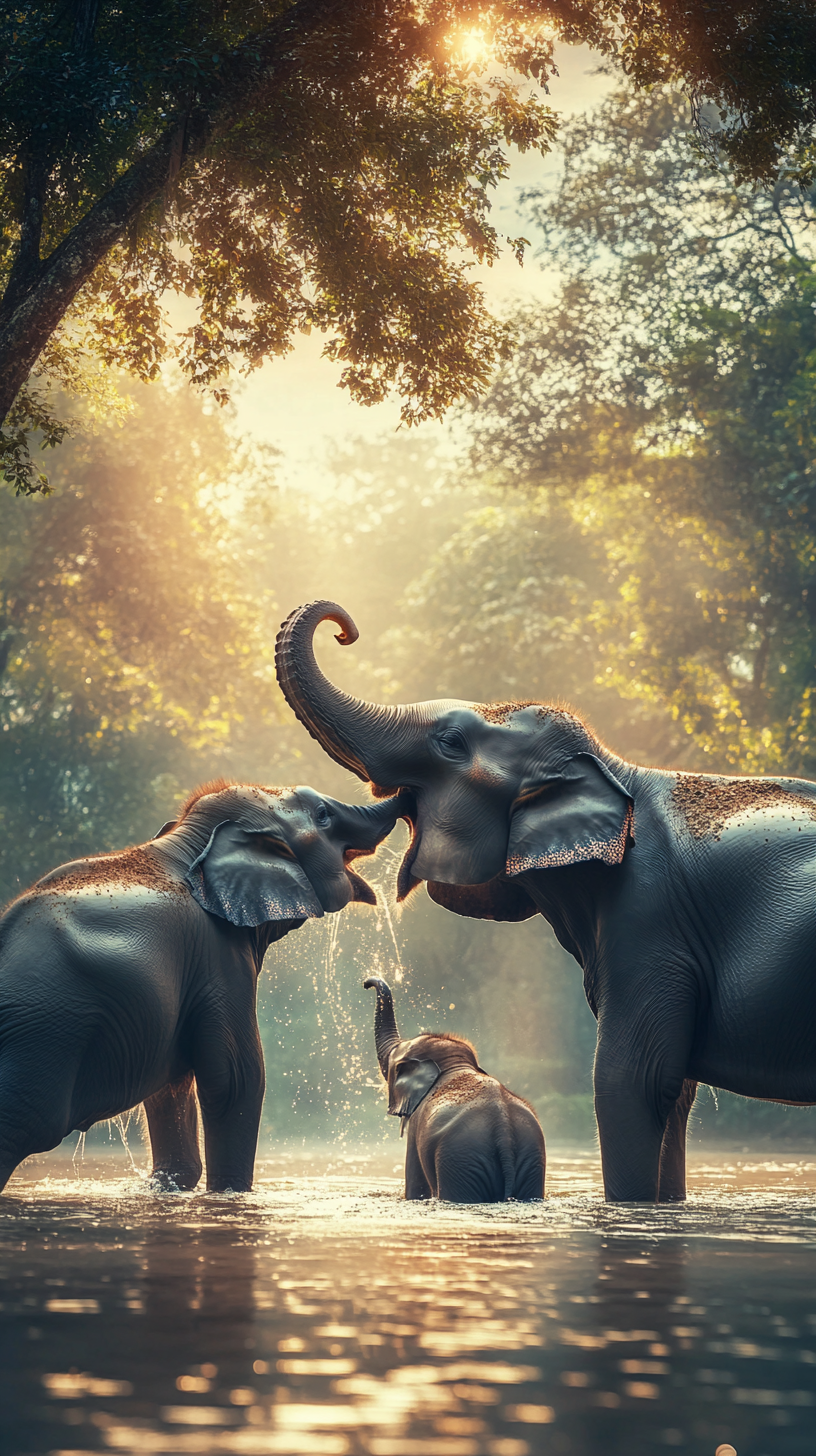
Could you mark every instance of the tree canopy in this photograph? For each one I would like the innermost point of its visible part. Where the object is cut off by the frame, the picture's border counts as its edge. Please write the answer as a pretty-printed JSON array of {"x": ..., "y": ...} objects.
[
  {"x": 130, "y": 657},
  {"x": 290, "y": 164},
  {"x": 648, "y": 461}
]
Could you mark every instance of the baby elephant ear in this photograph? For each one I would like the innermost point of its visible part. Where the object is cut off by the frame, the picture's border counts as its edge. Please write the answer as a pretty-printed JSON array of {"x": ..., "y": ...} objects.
[
  {"x": 250, "y": 878},
  {"x": 499, "y": 899},
  {"x": 408, "y": 1083},
  {"x": 583, "y": 814}
]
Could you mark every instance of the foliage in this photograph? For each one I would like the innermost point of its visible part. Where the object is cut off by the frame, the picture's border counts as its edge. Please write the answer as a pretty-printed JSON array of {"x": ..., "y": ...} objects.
[
  {"x": 290, "y": 164},
  {"x": 717, "y": 572},
  {"x": 749, "y": 70},
  {"x": 130, "y": 658},
  {"x": 651, "y": 450},
  {"x": 285, "y": 165}
]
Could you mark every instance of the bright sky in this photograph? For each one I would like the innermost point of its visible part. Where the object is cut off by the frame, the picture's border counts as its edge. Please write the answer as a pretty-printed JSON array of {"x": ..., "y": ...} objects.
[{"x": 295, "y": 403}]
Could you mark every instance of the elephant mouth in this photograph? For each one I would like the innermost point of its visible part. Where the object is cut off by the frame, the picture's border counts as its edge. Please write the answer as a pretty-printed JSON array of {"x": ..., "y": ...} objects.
[
  {"x": 441, "y": 855},
  {"x": 406, "y": 881}
]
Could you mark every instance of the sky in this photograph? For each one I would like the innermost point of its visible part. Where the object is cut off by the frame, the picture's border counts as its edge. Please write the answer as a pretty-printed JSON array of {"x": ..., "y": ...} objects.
[{"x": 295, "y": 404}]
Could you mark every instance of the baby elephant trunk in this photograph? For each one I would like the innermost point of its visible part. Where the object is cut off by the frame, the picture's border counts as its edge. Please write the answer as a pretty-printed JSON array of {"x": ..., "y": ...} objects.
[{"x": 386, "y": 1035}]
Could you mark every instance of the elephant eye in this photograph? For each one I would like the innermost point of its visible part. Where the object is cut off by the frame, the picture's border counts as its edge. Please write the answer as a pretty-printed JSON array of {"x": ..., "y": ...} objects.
[
  {"x": 322, "y": 817},
  {"x": 452, "y": 742}
]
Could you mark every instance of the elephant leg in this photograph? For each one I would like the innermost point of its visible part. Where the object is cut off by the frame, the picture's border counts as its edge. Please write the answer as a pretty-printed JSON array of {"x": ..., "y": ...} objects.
[
  {"x": 672, "y": 1185},
  {"x": 231, "y": 1120},
  {"x": 640, "y": 1066},
  {"x": 630, "y": 1130},
  {"x": 172, "y": 1120},
  {"x": 230, "y": 1144},
  {"x": 15, "y": 1146},
  {"x": 416, "y": 1184},
  {"x": 35, "y": 1105},
  {"x": 530, "y": 1173}
]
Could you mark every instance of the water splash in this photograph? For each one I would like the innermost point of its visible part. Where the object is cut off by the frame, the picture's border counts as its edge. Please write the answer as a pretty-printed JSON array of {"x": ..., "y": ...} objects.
[
  {"x": 400, "y": 972},
  {"x": 122, "y": 1123},
  {"x": 383, "y": 883},
  {"x": 336, "y": 1068},
  {"x": 79, "y": 1151}
]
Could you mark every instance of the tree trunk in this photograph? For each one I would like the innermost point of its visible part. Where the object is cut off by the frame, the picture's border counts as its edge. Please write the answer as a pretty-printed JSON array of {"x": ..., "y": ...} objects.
[{"x": 244, "y": 79}]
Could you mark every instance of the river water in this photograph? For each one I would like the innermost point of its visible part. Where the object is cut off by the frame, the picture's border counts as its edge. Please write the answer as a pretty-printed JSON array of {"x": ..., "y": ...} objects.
[{"x": 322, "y": 1314}]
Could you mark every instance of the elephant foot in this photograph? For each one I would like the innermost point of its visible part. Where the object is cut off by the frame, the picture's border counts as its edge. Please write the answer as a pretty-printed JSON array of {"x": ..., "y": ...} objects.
[
  {"x": 229, "y": 1185},
  {"x": 179, "y": 1180}
]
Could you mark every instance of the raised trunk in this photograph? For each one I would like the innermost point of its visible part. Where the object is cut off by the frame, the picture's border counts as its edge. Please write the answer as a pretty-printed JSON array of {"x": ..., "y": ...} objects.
[
  {"x": 386, "y": 1035},
  {"x": 361, "y": 736}
]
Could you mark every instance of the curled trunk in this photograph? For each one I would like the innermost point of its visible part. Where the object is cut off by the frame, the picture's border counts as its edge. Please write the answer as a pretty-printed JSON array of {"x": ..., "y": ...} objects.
[
  {"x": 386, "y": 1035},
  {"x": 364, "y": 737}
]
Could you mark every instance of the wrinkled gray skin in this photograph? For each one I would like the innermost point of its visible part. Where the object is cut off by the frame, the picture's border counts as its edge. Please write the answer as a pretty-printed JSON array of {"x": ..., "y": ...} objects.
[
  {"x": 132, "y": 977},
  {"x": 688, "y": 900},
  {"x": 470, "y": 1140}
]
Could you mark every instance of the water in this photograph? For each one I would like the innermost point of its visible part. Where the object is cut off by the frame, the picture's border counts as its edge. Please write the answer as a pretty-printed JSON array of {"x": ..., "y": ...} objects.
[{"x": 321, "y": 1314}]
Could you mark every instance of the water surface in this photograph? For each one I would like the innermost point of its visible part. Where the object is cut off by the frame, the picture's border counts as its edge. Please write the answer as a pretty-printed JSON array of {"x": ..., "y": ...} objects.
[{"x": 322, "y": 1314}]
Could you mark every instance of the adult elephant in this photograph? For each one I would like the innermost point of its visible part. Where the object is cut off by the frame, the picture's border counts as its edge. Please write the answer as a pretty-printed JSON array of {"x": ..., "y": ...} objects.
[
  {"x": 131, "y": 977},
  {"x": 689, "y": 900}
]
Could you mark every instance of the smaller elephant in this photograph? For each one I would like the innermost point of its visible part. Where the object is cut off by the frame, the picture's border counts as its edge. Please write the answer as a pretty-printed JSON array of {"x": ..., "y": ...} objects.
[
  {"x": 131, "y": 977},
  {"x": 470, "y": 1140}
]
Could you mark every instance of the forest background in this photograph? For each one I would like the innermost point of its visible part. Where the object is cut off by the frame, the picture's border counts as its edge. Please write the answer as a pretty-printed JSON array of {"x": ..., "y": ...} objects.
[{"x": 626, "y": 520}]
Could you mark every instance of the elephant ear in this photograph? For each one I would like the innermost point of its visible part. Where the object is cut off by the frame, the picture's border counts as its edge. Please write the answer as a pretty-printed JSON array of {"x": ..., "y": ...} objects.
[
  {"x": 499, "y": 899},
  {"x": 408, "y": 1082},
  {"x": 583, "y": 814},
  {"x": 250, "y": 878}
]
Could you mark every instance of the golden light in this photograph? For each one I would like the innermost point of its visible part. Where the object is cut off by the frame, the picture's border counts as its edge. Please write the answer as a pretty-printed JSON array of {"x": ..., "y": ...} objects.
[{"x": 471, "y": 47}]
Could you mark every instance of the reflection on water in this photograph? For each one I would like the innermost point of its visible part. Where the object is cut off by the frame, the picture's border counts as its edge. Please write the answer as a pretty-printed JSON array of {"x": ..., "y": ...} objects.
[{"x": 321, "y": 1314}]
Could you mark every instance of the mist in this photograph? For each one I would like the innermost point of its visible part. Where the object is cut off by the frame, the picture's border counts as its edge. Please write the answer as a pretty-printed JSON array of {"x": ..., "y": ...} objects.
[{"x": 142, "y": 604}]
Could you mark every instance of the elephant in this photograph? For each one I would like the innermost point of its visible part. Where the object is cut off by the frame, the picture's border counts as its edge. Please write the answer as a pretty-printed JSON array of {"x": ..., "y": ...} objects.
[
  {"x": 687, "y": 899},
  {"x": 470, "y": 1140},
  {"x": 131, "y": 977}
]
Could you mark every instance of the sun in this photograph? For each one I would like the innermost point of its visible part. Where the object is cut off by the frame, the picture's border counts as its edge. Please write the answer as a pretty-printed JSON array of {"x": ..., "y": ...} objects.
[{"x": 471, "y": 47}]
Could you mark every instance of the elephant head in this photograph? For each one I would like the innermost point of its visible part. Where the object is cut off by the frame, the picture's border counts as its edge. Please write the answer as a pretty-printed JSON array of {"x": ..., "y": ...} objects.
[
  {"x": 255, "y": 855},
  {"x": 411, "y": 1068},
  {"x": 492, "y": 790}
]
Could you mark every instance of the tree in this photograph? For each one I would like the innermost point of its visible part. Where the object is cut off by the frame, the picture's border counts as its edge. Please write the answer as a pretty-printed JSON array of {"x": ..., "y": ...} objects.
[
  {"x": 748, "y": 68},
  {"x": 292, "y": 164},
  {"x": 289, "y": 165},
  {"x": 650, "y": 453},
  {"x": 131, "y": 661}
]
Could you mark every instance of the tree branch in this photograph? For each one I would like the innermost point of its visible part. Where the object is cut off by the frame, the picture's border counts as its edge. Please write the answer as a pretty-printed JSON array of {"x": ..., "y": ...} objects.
[
  {"x": 32, "y": 315},
  {"x": 27, "y": 263},
  {"x": 85, "y": 24}
]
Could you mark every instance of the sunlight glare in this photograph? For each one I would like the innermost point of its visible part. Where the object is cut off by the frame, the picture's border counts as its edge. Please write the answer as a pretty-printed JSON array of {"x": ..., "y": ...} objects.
[{"x": 471, "y": 47}]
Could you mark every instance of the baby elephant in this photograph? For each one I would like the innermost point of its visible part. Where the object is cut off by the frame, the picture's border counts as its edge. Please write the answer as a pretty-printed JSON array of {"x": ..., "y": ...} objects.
[{"x": 470, "y": 1140}]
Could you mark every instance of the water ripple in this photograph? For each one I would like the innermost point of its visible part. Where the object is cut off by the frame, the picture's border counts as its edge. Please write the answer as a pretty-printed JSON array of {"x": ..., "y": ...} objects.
[{"x": 323, "y": 1314}]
